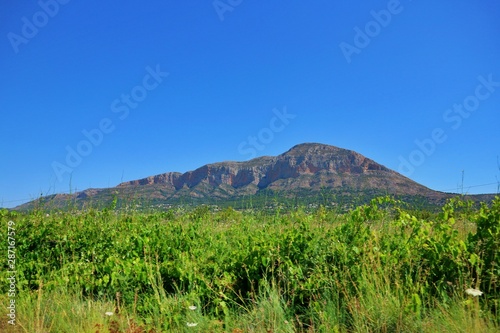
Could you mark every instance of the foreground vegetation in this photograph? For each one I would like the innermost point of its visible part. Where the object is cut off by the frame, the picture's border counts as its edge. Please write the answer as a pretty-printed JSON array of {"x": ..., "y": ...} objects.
[{"x": 376, "y": 268}]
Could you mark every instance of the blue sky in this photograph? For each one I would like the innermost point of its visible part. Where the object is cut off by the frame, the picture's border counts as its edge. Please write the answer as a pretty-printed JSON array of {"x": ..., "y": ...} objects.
[{"x": 142, "y": 88}]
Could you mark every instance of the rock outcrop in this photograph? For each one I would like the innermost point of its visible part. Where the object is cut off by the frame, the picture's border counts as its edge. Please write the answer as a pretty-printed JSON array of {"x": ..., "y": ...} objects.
[
  {"x": 305, "y": 172},
  {"x": 303, "y": 166}
]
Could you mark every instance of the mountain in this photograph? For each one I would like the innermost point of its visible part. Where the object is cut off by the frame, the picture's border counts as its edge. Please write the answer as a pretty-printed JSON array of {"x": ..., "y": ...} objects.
[
  {"x": 304, "y": 173},
  {"x": 305, "y": 166}
]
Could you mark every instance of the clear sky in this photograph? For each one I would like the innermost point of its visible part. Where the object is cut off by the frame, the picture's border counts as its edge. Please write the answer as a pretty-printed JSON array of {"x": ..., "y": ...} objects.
[{"x": 93, "y": 93}]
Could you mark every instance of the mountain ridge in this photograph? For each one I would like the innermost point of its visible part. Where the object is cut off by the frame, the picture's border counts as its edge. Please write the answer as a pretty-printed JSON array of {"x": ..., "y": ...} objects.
[
  {"x": 302, "y": 159},
  {"x": 303, "y": 171}
]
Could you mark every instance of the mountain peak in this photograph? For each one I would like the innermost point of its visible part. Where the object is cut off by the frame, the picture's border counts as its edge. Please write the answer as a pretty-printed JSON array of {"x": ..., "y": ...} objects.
[
  {"x": 308, "y": 166},
  {"x": 311, "y": 148},
  {"x": 306, "y": 169}
]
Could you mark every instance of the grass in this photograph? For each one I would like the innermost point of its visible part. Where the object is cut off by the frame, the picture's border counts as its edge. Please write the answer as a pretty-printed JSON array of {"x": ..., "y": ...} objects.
[
  {"x": 377, "y": 268},
  {"x": 373, "y": 311}
]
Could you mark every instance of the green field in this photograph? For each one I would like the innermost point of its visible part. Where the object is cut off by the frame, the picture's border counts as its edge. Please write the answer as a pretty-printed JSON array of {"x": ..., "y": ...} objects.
[{"x": 380, "y": 267}]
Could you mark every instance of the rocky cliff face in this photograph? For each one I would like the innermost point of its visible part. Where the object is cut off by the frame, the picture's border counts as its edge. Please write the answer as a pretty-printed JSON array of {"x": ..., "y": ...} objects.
[
  {"x": 304, "y": 172},
  {"x": 303, "y": 166}
]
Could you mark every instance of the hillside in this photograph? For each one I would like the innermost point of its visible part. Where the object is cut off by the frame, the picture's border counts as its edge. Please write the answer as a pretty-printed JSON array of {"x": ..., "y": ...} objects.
[{"x": 304, "y": 173}]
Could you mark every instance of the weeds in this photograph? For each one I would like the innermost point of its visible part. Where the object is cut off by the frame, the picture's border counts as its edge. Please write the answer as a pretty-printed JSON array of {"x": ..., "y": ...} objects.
[{"x": 376, "y": 268}]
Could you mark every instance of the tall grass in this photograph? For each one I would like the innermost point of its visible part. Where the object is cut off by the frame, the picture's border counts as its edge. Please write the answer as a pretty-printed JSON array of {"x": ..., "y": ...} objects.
[{"x": 377, "y": 268}]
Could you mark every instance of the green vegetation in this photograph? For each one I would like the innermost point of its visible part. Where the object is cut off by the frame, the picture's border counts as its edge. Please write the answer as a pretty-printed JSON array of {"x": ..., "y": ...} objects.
[
  {"x": 377, "y": 268},
  {"x": 154, "y": 198}
]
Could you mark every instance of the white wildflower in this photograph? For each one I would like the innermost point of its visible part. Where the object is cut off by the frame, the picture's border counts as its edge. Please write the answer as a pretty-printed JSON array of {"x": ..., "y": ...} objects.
[
  {"x": 474, "y": 292},
  {"x": 109, "y": 314},
  {"x": 192, "y": 307}
]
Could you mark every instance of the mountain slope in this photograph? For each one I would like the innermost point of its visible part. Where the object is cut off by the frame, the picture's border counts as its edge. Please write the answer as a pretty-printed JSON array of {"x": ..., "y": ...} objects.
[
  {"x": 304, "y": 166},
  {"x": 304, "y": 171}
]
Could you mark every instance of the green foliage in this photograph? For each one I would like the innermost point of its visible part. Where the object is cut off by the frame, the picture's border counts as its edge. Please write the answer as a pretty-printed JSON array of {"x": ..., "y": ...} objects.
[
  {"x": 377, "y": 267},
  {"x": 484, "y": 248}
]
